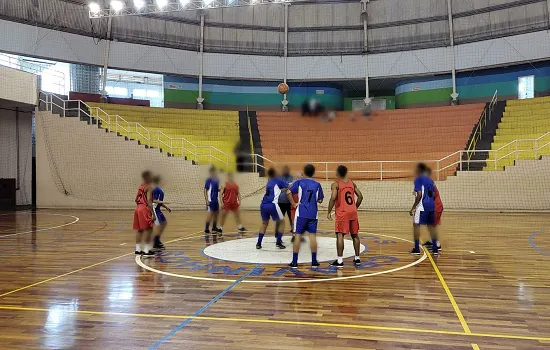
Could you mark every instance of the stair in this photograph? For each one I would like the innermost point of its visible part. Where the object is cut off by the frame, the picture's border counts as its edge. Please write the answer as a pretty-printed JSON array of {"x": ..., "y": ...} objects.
[{"x": 487, "y": 137}]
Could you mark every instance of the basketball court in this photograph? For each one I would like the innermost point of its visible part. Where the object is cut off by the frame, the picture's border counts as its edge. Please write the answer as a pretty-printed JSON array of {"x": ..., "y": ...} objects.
[{"x": 70, "y": 280}]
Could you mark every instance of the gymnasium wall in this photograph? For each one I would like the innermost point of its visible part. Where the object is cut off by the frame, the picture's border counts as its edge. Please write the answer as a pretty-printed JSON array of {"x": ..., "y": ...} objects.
[
  {"x": 390, "y": 101},
  {"x": 472, "y": 87},
  {"x": 182, "y": 92}
]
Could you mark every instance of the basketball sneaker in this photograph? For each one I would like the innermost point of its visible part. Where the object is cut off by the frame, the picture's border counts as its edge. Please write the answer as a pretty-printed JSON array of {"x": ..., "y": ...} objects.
[
  {"x": 415, "y": 252},
  {"x": 293, "y": 266},
  {"x": 280, "y": 245},
  {"x": 258, "y": 246},
  {"x": 242, "y": 229},
  {"x": 357, "y": 262},
  {"x": 207, "y": 231},
  {"x": 336, "y": 264},
  {"x": 149, "y": 254},
  {"x": 138, "y": 253},
  {"x": 315, "y": 264}
]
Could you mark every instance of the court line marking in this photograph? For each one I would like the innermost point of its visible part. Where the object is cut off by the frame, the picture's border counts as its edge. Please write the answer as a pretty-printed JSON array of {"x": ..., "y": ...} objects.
[
  {"x": 451, "y": 298},
  {"x": 416, "y": 262},
  {"x": 85, "y": 268},
  {"x": 76, "y": 219},
  {"x": 532, "y": 242},
  {"x": 283, "y": 322},
  {"x": 202, "y": 309}
]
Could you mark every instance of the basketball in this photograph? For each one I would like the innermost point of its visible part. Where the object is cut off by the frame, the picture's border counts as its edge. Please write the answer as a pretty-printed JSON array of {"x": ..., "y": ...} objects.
[{"x": 282, "y": 88}]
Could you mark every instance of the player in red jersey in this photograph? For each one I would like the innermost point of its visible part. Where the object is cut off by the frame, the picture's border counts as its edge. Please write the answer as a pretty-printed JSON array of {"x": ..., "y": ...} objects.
[
  {"x": 347, "y": 221},
  {"x": 231, "y": 200},
  {"x": 143, "y": 215},
  {"x": 438, "y": 206}
]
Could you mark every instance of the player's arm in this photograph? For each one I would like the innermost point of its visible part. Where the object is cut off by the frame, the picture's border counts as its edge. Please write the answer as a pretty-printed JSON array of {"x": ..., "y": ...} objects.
[
  {"x": 206, "y": 199},
  {"x": 292, "y": 189},
  {"x": 220, "y": 196},
  {"x": 320, "y": 195},
  {"x": 149, "y": 195},
  {"x": 333, "y": 196},
  {"x": 359, "y": 195},
  {"x": 418, "y": 195},
  {"x": 239, "y": 197}
]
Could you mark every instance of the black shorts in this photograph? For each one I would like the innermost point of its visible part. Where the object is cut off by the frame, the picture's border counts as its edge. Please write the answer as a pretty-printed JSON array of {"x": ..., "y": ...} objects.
[{"x": 285, "y": 208}]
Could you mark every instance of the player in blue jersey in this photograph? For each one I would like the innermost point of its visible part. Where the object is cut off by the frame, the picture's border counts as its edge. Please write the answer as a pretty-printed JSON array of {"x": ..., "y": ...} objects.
[
  {"x": 211, "y": 191},
  {"x": 423, "y": 209},
  {"x": 159, "y": 218},
  {"x": 310, "y": 194},
  {"x": 270, "y": 208}
]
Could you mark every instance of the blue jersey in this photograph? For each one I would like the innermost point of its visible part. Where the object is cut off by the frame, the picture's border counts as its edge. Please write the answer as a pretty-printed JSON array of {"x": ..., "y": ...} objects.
[
  {"x": 158, "y": 194},
  {"x": 309, "y": 192},
  {"x": 425, "y": 185},
  {"x": 212, "y": 185},
  {"x": 273, "y": 191}
]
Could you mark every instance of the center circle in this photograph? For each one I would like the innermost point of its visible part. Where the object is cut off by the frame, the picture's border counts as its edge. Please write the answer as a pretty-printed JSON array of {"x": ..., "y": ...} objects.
[{"x": 244, "y": 251}]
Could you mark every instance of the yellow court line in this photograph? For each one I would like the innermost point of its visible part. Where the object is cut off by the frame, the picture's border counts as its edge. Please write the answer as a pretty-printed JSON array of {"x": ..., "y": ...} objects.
[
  {"x": 451, "y": 298},
  {"x": 85, "y": 268},
  {"x": 283, "y": 322}
]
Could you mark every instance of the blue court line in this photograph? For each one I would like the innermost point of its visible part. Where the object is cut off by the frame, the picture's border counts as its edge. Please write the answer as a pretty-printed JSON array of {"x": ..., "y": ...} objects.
[
  {"x": 531, "y": 241},
  {"x": 202, "y": 309}
]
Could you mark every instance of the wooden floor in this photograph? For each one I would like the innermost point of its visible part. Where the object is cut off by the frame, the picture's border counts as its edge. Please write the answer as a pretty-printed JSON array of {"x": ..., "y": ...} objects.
[{"x": 70, "y": 280}]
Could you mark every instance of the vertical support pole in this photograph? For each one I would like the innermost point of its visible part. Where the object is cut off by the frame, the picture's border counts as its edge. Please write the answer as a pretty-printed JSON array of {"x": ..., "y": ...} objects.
[
  {"x": 548, "y": 13},
  {"x": 326, "y": 171},
  {"x": 106, "y": 54},
  {"x": 285, "y": 57},
  {"x": 17, "y": 150},
  {"x": 454, "y": 95},
  {"x": 381, "y": 171},
  {"x": 365, "y": 50},
  {"x": 200, "y": 99}
]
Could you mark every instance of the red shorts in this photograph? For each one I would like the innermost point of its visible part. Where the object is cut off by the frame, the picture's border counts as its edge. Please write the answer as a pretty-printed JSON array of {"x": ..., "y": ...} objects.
[
  {"x": 230, "y": 207},
  {"x": 438, "y": 217},
  {"x": 143, "y": 219},
  {"x": 347, "y": 226}
]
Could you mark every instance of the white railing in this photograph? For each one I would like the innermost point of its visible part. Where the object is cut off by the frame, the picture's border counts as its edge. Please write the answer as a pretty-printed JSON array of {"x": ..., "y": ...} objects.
[
  {"x": 134, "y": 130},
  {"x": 486, "y": 115},
  {"x": 372, "y": 169},
  {"x": 58, "y": 78}
]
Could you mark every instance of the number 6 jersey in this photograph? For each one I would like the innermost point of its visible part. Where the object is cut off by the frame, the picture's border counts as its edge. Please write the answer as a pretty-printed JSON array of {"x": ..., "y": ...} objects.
[
  {"x": 309, "y": 192},
  {"x": 345, "y": 202}
]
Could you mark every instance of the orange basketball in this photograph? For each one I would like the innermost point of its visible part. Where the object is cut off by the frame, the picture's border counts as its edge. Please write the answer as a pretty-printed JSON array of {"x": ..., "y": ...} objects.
[{"x": 282, "y": 88}]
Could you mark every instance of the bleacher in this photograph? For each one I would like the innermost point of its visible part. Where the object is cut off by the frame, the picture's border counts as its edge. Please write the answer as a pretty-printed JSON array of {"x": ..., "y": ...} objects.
[
  {"x": 420, "y": 134},
  {"x": 182, "y": 132},
  {"x": 524, "y": 120}
]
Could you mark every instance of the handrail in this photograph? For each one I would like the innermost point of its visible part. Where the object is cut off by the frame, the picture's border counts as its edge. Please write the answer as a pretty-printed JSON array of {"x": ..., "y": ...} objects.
[
  {"x": 478, "y": 132},
  {"x": 133, "y": 128},
  {"x": 15, "y": 63},
  {"x": 451, "y": 161}
]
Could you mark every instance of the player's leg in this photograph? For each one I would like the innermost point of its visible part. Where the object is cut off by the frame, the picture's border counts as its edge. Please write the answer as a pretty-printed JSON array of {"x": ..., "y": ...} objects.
[
  {"x": 261, "y": 233},
  {"x": 432, "y": 228},
  {"x": 148, "y": 236},
  {"x": 279, "y": 218},
  {"x": 418, "y": 219},
  {"x": 339, "y": 263},
  {"x": 312, "y": 229},
  {"x": 215, "y": 214},
  {"x": 139, "y": 237},
  {"x": 300, "y": 225},
  {"x": 159, "y": 229},
  {"x": 209, "y": 216},
  {"x": 265, "y": 214},
  {"x": 223, "y": 216},
  {"x": 240, "y": 226},
  {"x": 354, "y": 231}
]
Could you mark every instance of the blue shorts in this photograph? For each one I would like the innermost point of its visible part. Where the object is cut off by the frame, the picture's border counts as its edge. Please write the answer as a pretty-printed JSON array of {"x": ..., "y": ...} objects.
[
  {"x": 159, "y": 217},
  {"x": 424, "y": 217},
  {"x": 302, "y": 225},
  {"x": 214, "y": 206},
  {"x": 271, "y": 210}
]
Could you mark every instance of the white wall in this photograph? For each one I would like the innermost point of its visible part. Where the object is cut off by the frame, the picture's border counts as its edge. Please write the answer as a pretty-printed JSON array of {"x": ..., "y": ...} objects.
[
  {"x": 18, "y": 86},
  {"x": 10, "y": 149},
  {"x": 45, "y": 43}
]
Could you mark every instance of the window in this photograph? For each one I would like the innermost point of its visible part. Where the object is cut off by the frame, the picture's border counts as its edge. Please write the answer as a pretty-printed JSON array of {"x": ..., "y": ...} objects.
[{"x": 526, "y": 87}]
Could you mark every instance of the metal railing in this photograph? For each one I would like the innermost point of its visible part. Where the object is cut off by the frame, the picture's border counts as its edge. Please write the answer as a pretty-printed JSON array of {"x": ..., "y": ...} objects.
[
  {"x": 478, "y": 132},
  {"x": 372, "y": 169},
  {"x": 20, "y": 64},
  {"x": 133, "y": 130}
]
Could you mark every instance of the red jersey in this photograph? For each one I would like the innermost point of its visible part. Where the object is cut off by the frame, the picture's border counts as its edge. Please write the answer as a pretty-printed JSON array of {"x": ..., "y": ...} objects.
[
  {"x": 230, "y": 193},
  {"x": 346, "y": 208},
  {"x": 141, "y": 197},
  {"x": 437, "y": 201}
]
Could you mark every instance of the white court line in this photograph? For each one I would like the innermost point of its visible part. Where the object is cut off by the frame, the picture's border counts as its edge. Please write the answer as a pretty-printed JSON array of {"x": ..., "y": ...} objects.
[
  {"x": 76, "y": 219},
  {"x": 122, "y": 243},
  {"x": 422, "y": 258}
]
